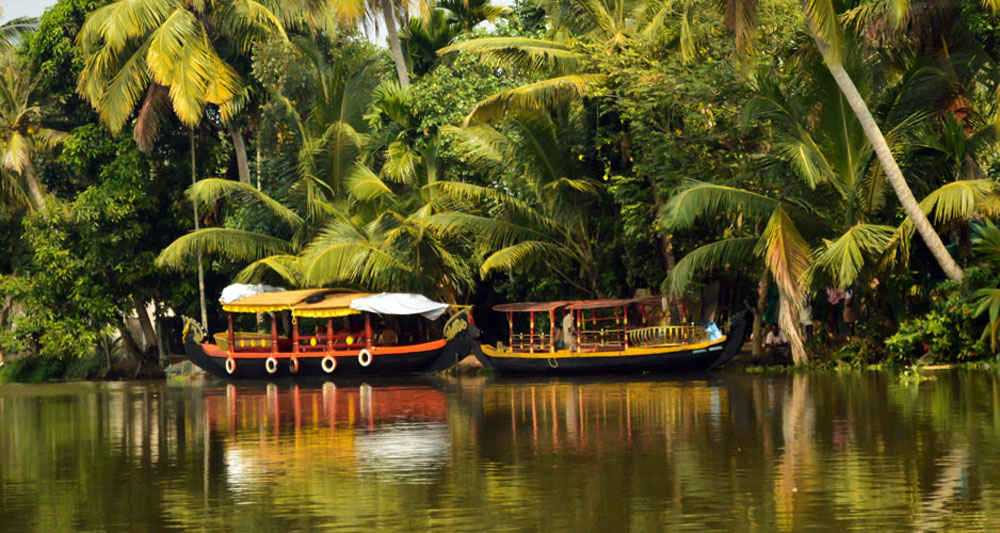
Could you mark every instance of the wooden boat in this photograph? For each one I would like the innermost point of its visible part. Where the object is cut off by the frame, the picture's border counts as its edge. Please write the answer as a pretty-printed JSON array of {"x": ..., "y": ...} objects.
[
  {"x": 341, "y": 345},
  {"x": 608, "y": 342}
]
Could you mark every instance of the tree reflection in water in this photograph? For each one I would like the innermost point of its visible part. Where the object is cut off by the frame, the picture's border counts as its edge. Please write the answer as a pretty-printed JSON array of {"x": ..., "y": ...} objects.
[{"x": 852, "y": 451}]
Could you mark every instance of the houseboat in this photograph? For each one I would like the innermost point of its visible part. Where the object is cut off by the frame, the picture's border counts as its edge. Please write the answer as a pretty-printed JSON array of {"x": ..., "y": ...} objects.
[
  {"x": 325, "y": 332},
  {"x": 607, "y": 336}
]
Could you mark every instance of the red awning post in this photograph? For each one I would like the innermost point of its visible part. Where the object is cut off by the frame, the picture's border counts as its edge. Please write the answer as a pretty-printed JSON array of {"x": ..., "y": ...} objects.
[
  {"x": 510, "y": 326},
  {"x": 274, "y": 332},
  {"x": 329, "y": 334},
  {"x": 576, "y": 329},
  {"x": 231, "y": 334},
  {"x": 295, "y": 335},
  {"x": 368, "y": 331},
  {"x": 531, "y": 333},
  {"x": 625, "y": 326},
  {"x": 552, "y": 330}
]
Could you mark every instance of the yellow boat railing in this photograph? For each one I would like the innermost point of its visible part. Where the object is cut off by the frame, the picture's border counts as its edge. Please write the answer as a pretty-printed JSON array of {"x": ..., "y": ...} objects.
[
  {"x": 244, "y": 340},
  {"x": 667, "y": 335}
]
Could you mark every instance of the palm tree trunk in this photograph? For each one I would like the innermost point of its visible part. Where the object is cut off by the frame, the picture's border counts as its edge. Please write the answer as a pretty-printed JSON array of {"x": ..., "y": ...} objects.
[
  {"x": 888, "y": 162},
  {"x": 34, "y": 187},
  {"x": 788, "y": 317},
  {"x": 757, "y": 349},
  {"x": 148, "y": 333},
  {"x": 394, "y": 46},
  {"x": 130, "y": 345},
  {"x": 201, "y": 269},
  {"x": 241, "y": 152}
]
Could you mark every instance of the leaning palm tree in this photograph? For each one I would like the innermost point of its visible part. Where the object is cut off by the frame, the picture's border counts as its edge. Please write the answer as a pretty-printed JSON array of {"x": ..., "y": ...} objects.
[
  {"x": 614, "y": 22},
  {"x": 835, "y": 197},
  {"x": 22, "y": 134}
]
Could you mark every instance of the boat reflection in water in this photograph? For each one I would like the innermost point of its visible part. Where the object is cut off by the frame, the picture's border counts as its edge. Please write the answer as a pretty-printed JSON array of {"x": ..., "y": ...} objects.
[{"x": 398, "y": 431}]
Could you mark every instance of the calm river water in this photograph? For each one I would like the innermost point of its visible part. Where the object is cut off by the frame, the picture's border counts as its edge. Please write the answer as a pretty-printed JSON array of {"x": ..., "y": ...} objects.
[{"x": 732, "y": 452}]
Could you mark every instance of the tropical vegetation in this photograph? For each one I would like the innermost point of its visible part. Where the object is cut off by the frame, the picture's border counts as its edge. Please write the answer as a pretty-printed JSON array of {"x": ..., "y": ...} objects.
[{"x": 794, "y": 158}]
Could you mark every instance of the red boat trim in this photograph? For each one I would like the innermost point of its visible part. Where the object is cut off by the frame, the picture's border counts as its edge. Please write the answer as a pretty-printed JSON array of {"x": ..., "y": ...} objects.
[{"x": 214, "y": 351}]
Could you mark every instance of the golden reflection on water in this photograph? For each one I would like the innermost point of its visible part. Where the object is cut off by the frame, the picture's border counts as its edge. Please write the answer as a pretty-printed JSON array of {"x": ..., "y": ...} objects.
[{"x": 858, "y": 451}]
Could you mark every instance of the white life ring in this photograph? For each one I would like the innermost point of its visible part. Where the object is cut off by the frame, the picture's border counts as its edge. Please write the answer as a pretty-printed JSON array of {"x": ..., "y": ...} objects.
[
  {"x": 230, "y": 365},
  {"x": 364, "y": 357},
  {"x": 271, "y": 365},
  {"x": 293, "y": 365},
  {"x": 329, "y": 364}
]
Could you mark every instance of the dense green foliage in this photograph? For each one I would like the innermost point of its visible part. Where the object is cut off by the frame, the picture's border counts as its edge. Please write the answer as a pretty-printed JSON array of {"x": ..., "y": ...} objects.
[{"x": 566, "y": 149}]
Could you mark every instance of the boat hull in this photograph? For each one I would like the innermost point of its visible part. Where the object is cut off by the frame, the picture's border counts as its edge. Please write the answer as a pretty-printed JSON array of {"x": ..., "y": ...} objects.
[
  {"x": 697, "y": 358},
  {"x": 426, "y": 358}
]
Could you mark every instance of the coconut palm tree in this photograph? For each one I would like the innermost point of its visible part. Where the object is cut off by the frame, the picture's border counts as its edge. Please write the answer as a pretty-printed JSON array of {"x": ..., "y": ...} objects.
[
  {"x": 22, "y": 134},
  {"x": 391, "y": 240},
  {"x": 578, "y": 27},
  {"x": 329, "y": 135},
  {"x": 422, "y": 38},
  {"x": 836, "y": 193},
  {"x": 539, "y": 202},
  {"x": 160, "y": 53},
  {"x": 467, "y": 14},
  {"x": 615, "y": 21}
]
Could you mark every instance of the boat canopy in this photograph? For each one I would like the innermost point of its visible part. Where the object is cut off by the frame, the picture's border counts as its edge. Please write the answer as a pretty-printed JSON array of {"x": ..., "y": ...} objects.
[
  {"x": 400, "y": 303},
  {"x": 267, "y": 302},
  {"x": 529, "y": 307},
  {"x": 333, "y": 305},
  {"x": 237, "y": 291},
  {"x": 601, "y": 304}
]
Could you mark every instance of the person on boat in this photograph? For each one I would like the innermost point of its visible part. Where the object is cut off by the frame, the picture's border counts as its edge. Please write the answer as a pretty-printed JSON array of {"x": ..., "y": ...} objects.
[
  {"x": 569, "y": 331},
  {"x": 388, "y": 337},
  {"x": 776, "y": 344}
]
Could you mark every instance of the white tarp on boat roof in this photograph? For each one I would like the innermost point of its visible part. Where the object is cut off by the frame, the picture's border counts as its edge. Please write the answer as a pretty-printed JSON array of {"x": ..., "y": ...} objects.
[
  {"x": 400, "y": 303},
  {"x": 241, "y": 290}
]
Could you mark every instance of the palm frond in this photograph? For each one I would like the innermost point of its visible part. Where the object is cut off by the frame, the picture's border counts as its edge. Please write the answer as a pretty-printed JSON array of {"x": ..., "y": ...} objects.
[
  {"x": 957, "y": 200},
  {"x": 287, "y": 267},
  {"x": 583, "y": 185},
  {"x": 482, "y": 143},
  {"x": 530, "y": 55},
  {"x": 12, "y": 30},
  {"x": 844, "y": 257},
  {"x": 694, "y": 199},
  {"x": 523, "y": 255},
  {"x": 512, "y": 205},
  {"x": 365, "y": 185},
  {"x": 210, "y": 190},
  {"x": 535, "y": 96},
  {"x": 986, "y": 241},
  {"x": 824, "y": 23},
  {"x": 491, "y": 233},
  {"x": 738, "y": 252},
  {"x": 988, "y": 299},
  {"x": 236, "y": 245},
  {"x": 17, "y": 153},
  {"x": 786, "y": 255}
]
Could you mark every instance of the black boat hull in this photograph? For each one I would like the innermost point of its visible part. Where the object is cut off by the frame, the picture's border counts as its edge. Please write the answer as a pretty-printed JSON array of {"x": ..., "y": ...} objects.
[{"x": 697, "y": 359}]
